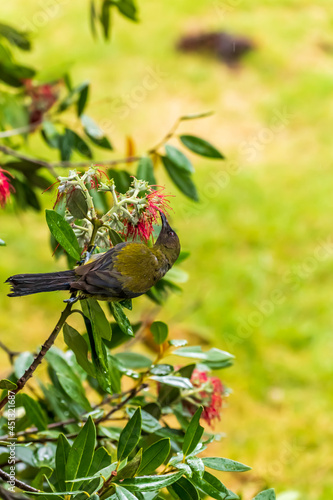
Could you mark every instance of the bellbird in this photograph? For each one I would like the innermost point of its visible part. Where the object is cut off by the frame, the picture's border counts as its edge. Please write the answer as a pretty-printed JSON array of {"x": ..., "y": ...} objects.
[{"x": 126, "y": 271}]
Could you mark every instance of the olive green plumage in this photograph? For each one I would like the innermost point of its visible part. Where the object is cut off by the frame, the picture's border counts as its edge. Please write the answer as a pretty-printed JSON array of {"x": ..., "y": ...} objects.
[{"x": 124, "y": 272}]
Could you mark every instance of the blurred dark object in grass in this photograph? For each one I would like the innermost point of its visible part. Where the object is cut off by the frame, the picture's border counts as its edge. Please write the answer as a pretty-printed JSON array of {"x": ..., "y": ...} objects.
[{"x": 226, "y": 47}]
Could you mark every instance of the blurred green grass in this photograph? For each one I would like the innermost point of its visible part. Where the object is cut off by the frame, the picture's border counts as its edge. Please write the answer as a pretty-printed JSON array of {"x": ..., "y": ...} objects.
[{"x": 257, "y": 232}]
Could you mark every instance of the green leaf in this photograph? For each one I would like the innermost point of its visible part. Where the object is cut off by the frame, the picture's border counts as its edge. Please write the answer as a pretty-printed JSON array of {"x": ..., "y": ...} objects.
[
  {"x": 33, "y": 410},
  {"x": 99, "y": 353},
  {"x": 78, "y": 144},
  {"x": 225, "y": 464},
  {"x": 131, "y": 467},
  {"x": 161, "y": 370},
  {"x": 93, "y": 17},
  {"x": 74, "y": 390},
  {"x": 92, "y": 309},
  {"x": 211, "y": 486},
  {"x": 121, "y": 318},
  {"x": 266, "y": 495},
  {"x": 181, "y": 178},
  {"x": 194, "y": 116},
  {"x": 174, "y": 381},
  {"x": 61, "y": 457},
  {"x": 80, "y": 348},
  {"x": 44, "y": 473},
  {"x": 123, "y": 494},
  {"x": 179, "y": 159},
  {"x": 106, "y": 18},
  {"x": 82, "y": 101},
  {"x": 22, "y": 363},
  {"x": 73, "y": 96},
  {"x": 193, "y": 433},
  {"x": 102, "y": 459},
  {"x": 214, "y": 358},
  {"x": 159, "y": 331},
  {"x": 178, "y": 343},
  {"x": 127, "y": 8},
  {"x": 50, "y": 134},
  {"x": 95, "y": 133},
  {"x": 81, "y": 453},
  {"x": 168, "y": 394},
  {"x": 18, "y": 38},
  {"x": 200, "y": 146},
  {"x": 184, "y": 489},
  {"x": 129, "y": 436},
  {"x": 63, "y": 233},
  {"x": 145, "y": 171},
  {"x": 115, "y": 238},
  {"x": 133, "y": 360},
  {"x": 151, "y": 483},
  {"x": 149, "y": 422},
  {"x": 127, "y": 303},
  {"x": 66, "y": 144},
  {"x": 154, "y": 456},
  {"x": 2, "y": 243},
  {"x": 196, "y": 464},
  {"x": 68, "y": 379},
  {"x": 7, "y": 384}
]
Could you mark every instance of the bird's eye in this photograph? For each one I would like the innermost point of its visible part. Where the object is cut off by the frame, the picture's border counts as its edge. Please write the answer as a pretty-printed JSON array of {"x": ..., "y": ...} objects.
[{"x": 171, "y": 233}]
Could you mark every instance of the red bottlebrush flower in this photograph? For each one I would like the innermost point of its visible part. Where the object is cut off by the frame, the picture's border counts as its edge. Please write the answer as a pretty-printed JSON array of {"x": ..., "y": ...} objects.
[
  {"x": 42, "y": 99},
  {"x": 210, "y": 397},
  {"x": 5, "y": 187},
  {"x": 156, "y": 202}
]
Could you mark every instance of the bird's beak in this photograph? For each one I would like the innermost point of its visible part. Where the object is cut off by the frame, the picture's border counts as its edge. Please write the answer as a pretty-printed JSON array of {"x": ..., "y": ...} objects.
[{"x": 165, "y": 223}]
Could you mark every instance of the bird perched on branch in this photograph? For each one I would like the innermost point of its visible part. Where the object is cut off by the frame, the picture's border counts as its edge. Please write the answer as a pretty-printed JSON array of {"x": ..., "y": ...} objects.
[{"x": 126, "y": 271}]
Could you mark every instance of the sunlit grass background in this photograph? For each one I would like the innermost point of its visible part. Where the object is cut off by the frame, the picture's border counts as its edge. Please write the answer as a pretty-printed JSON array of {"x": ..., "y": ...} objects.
[{"x": 257, "y": 237}]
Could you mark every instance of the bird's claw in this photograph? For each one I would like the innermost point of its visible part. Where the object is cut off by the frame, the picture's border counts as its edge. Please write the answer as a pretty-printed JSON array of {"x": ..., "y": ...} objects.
[{"x": 71, "y": 300}]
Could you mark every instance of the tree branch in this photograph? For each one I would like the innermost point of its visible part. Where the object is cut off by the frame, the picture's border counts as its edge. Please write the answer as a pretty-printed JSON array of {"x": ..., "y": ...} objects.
[
  {"x": 19, "y": 484},
  {"x": 52, "y": 165},
  {"x": 11, "y": 354},
  {"x": 39, "y": 358},
  {"x": 133, "y": 392}
]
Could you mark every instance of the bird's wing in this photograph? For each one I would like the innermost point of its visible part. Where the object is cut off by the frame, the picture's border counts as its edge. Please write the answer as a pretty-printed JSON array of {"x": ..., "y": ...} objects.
[{"x": 125, "y": 271}]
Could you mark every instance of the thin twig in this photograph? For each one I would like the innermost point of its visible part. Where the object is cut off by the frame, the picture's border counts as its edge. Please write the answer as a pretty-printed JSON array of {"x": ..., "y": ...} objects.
[
  {"x": 11, "y": 354},
  {"x": 19, "y": 484},
  {"x": 40, "y": 356},
  {"x": 133, "y": 392},
  {"x": 19, "y": 131},
  {"x": 68, "y": 164}
]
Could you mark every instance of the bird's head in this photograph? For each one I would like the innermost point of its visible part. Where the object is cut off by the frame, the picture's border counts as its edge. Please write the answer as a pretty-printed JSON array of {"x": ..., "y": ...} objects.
[{"x": 168, "y": 239}]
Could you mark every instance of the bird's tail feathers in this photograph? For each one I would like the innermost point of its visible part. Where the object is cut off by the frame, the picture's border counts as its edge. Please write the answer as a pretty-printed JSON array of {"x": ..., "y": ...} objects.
[{"x": 27, "y": 284}]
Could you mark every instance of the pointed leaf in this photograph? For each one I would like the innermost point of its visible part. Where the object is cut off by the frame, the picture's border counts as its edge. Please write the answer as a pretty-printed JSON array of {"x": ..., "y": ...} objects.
[
  {"x": 193, "y": 433},
  {"x": 63, "y": 233},
  {"x": 174, "y": 381},
  {"x": 154, "y": 456},
  {"x": 225, "y": 464},
  {"x": 210, "y": 485},
  {"x": 200, "y": 146},
  {"x": 181, "y": 178},
  {"x": 129, "y": 436},
  {"x": 80, "y": 348},
  {"x": 266, "y": 495},
  {"x": 81, "y": 453},
  {"x": 184, "y": 489},
  {"x": 121, "y": 318},
  {"x": 159, "y": 331},
  {"x": 179, "y": 159},
  {"x": 151, "y": 483},
  {"x": 145, "y": 170},
  {"x": 61, "y": 457},
  {"x": 33, "y": 410}
]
